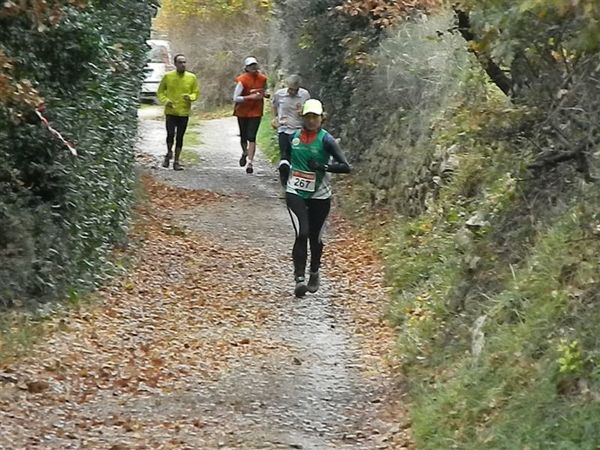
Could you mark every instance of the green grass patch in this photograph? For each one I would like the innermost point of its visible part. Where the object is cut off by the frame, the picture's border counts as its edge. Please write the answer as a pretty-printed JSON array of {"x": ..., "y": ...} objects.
[
  {"x": 22, "y": 328},
  {"x": 267, "y": 138},
  {"x": 528, "y": 376},
  {"x": 18, "y": 333},
  {"x": 535, "y": 380},
  {"x": 190, "y": 157},
  {"x": 193, "y": 140},
  {"x": 497, "y": 322},
  {"x": 215, "y": 113},
  {"x": 535, "y": 383}
]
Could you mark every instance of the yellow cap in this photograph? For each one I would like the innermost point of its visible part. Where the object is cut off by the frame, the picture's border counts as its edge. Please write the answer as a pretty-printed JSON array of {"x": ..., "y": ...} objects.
[{"x": 312, "y": 106}]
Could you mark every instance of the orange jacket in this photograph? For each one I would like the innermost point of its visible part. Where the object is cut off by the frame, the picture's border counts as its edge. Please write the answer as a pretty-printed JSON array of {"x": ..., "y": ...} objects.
[{"x": 252, "y": 82}]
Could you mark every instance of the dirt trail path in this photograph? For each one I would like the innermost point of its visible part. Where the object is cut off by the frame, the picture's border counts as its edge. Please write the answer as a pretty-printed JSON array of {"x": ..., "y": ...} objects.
[{"x": 202, "y": 344}]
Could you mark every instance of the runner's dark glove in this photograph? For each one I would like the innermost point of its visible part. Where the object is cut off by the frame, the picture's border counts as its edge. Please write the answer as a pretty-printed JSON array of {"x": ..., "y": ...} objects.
[
  {"x": 284, "y": 171},
  {"x": 316, "y": 166}
]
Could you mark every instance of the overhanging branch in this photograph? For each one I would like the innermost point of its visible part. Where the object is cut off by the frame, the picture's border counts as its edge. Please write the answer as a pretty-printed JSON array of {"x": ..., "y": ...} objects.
[{"x": 494, "y": 71}]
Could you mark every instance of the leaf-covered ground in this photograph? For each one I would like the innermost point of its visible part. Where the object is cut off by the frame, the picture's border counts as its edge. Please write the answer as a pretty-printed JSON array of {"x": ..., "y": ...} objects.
[{"x": 201, "y": 344}]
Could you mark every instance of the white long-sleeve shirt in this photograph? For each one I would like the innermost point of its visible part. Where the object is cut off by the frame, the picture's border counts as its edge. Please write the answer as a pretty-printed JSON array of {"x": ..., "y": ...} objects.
[{"x": 237, "y": 93}]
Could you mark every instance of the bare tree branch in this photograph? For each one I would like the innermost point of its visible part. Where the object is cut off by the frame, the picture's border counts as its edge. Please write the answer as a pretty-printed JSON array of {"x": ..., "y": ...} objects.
[{"x": 494, "y": 71}]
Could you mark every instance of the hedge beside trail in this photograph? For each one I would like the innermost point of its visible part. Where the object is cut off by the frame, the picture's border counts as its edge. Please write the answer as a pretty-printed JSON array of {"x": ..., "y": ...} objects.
[{"x": 61, "y": 215}]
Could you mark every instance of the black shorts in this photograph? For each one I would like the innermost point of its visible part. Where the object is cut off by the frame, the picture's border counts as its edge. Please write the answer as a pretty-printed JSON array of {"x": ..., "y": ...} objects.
[{"x": 248, "y": 128}]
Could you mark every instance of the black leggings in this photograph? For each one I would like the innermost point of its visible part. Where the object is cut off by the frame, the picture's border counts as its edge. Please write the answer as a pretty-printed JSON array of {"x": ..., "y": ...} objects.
[
  {"x": 308, "y": 217},
  {"x": 248, "y": 130},
  {"x": 176, "y": 126},
  {"x": 285, "y": 145}
]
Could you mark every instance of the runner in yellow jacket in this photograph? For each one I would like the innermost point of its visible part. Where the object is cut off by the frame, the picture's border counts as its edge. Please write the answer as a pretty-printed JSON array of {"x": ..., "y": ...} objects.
[{"x": 177, "y": 90}]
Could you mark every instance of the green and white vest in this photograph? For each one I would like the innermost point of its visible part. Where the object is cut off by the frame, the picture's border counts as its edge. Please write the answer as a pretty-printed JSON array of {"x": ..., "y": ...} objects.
[{"x": 303, "y": 181}]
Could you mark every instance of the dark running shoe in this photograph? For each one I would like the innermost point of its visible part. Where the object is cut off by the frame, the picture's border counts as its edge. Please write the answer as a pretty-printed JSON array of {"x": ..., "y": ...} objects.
[
  {"x": 177, "y": 166},
  {"x": 243, "y": 160},
  {"x": 313, "y": 282},
  {"x": 166, "y": 161},
  {"x": 249, "y": 169},
  {"x": 301, "y": 288}
]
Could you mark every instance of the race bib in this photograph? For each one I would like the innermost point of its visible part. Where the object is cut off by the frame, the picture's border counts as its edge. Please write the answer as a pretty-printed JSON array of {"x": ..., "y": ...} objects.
[{"x": 303, "y": 181}]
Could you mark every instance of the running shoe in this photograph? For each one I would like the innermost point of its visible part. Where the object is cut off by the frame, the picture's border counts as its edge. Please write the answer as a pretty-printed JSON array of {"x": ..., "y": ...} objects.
[
  {"x": 177, "y": 166},
  {"x": 249, "y": 169},
  {"x": 313, "y": 282},
  {"x": 243, "y": 160},
  {"x": 301, "y": 288},
  {"x": 166, "y": 161}
]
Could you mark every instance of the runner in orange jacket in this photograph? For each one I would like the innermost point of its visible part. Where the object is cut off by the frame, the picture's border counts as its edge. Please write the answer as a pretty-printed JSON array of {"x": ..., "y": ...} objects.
[{"x": 250, "y": 90}]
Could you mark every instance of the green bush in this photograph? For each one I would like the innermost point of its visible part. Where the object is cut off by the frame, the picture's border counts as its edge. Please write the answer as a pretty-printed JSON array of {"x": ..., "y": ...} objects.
[
  {"x": 61, "y": 215},
  {"x": 326, "y": 48},
  {"x": 492, "y": 262}
]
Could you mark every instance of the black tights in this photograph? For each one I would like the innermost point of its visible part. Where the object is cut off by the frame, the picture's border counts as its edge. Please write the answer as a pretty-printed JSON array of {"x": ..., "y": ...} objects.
[
  {"x": 176, "y": 126},
  {"x": 285, "y": 145},
  {"x": 308, "y": 217}
]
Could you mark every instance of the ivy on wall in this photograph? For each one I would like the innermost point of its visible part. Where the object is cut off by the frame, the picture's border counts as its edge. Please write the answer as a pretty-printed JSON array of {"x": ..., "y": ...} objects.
[{"x": 61, "y": 215}]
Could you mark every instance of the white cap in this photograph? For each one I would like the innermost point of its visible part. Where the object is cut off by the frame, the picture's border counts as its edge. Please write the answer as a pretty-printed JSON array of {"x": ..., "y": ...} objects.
[
  {"x": 312, "y": 106},
  {"x": 250, "y": 60}
]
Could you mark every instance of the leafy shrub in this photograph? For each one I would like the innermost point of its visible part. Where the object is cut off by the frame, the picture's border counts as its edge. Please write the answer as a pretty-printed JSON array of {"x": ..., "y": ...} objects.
[
  {"x": 327, "y": 48},
  {"x": 61, "y": 215}
]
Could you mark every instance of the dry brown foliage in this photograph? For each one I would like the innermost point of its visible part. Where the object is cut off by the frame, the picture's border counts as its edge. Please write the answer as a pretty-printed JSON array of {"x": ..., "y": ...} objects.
[{"x": 388, "y": 12}]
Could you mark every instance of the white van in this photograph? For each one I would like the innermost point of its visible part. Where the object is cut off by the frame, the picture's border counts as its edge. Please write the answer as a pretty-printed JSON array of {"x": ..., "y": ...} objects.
[{"x": 159, "y": 63}]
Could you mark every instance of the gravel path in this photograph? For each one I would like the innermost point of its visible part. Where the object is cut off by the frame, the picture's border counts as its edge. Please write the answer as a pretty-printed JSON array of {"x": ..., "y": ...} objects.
[{"x": 203, "y": 345}]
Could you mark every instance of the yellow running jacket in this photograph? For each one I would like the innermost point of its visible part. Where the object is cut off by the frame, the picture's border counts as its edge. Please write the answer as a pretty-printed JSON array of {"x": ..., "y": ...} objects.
[{"x": 173, "y": 87}]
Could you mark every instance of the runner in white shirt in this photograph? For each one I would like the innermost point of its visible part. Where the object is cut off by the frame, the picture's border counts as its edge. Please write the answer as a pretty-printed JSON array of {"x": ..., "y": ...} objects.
[{"x": 287, "y": 111}]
